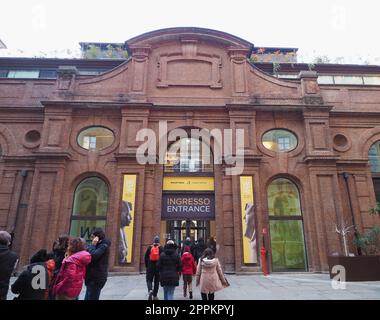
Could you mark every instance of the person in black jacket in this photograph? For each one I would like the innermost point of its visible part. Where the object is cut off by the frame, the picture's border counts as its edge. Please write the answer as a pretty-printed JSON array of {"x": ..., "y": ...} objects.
[
  {"x": 169, "y": 266},
  {"x": 8, "y": 262},
  {"x": 198, "y": 249},
  {"x": 186, "y": 243},
  {"x": 23, "y": 286},
  {"x": 58, "y": 254},
  {"x": 97, "y": 270},
  {"x": 211, "y": 243},
  {"x": 152, "y": 274},
  {"x": 59, "y": 250}
]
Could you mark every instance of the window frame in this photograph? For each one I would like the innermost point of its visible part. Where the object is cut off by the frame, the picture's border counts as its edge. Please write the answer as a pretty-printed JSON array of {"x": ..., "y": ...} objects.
[
  {"x": 89, "y": 218},
  {"x": 90, "y": 127},
  {"x": 278, "y": 150},
  {"x": 288, "y": 218}
]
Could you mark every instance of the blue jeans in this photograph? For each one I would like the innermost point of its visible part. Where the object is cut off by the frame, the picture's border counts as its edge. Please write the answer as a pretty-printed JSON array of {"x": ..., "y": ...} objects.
[
  {"x": 93, "y": 292},
  {"x": 168, "y": 293}
]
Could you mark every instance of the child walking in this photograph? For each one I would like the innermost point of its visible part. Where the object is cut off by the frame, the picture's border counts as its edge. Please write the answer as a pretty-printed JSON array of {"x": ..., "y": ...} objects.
[{"x": 189, "y": 269}]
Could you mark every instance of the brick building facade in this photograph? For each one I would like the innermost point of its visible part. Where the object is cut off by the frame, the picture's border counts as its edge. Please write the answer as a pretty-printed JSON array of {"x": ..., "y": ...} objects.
[{"x": 192, "y": 78}]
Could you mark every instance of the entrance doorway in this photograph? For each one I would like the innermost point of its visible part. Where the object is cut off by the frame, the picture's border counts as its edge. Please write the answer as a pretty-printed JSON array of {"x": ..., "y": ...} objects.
[{"x": 179, "y": 230}]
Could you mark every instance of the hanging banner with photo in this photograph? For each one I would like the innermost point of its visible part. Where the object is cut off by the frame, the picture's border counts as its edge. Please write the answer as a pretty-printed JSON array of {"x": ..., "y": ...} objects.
[
  {"x": 127, "y": 218},
  {"x": 248, "y": 220}
]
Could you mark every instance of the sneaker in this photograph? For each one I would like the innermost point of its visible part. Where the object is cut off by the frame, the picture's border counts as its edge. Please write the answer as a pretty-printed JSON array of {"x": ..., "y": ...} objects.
[
  {"x": 150, "y": 295},
  {"x": 184, "y": 294},
  {"x": 155, "y": 298},
  {"x": 190, "y": 294}
]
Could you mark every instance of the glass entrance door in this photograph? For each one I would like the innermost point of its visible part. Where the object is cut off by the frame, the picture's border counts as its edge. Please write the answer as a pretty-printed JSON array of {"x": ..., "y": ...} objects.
[{"x": 179, "y": 230}]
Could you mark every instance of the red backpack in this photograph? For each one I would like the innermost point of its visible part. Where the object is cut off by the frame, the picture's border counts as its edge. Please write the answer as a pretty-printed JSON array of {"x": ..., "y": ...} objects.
[{"x": 154, "y": 253}]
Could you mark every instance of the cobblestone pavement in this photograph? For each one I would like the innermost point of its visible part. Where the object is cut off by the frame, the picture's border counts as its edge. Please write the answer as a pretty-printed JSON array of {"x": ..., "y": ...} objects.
[{"x": 285, "y": 286}]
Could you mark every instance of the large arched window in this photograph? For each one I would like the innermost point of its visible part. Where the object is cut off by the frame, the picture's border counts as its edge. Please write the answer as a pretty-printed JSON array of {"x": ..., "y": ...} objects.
[
  {"x": 89, "y": 207},
  {"x": 189, "y": 155},
  {"x": 374, "y": 160},
  {"x": 286, "y": 226}
]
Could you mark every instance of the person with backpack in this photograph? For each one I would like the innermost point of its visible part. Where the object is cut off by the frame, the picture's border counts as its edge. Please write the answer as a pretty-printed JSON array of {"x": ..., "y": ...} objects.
[
  {"x": 169, "y": 265},
  {"x": 8, "y": 263},
  {"x": 40, "y": 266},
  {"x": 189, "y": 269},
  {"x": 152, "y": 255},
  {"x": 209, "y": 276}
]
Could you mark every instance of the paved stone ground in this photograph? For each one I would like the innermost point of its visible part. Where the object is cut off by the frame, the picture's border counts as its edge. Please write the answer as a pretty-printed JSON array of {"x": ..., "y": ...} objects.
[{"x": 288, "y": 286}]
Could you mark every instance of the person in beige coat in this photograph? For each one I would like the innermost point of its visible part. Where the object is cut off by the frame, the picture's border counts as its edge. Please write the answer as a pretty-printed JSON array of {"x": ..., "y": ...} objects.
[{"x": 209, "y": 276}]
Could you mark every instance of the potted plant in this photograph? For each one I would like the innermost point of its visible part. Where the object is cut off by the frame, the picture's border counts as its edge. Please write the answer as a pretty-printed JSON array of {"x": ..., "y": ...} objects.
[{"x": 364, "y": 267}]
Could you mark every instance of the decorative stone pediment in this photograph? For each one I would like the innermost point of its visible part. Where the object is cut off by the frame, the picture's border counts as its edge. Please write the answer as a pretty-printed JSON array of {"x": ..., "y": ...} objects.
[{"x": 189, "y": 67}]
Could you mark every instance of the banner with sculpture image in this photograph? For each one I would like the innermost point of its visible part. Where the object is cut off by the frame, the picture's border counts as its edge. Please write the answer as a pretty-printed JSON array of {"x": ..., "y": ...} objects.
[
  {"x": 127, "y": 218},
  {"x": 248, "y": 220}
]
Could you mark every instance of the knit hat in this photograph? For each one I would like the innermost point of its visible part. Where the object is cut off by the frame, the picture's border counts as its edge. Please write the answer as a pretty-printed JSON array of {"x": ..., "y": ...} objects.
[
  {"x": 156, "y": 239},
  {"x": 170, "y": 242}
]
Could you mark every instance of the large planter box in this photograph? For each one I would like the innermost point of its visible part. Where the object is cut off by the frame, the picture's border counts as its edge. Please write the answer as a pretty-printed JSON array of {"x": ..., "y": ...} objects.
[{"x": 361, "y": 268}]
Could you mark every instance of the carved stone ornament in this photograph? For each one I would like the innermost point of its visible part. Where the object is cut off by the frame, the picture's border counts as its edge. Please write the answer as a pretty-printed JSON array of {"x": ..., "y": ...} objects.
[{"x": 189, "y": 68}]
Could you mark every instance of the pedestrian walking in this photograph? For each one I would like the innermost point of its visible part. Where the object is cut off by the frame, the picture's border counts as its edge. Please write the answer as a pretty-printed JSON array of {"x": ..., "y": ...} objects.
[
  {"x": 209, "y": 276},
  {"x": 169, "y": 267},
  {"x": 152, "y": 255},
  {"x": 8, "y": 263},
  {"x": 70, "y": 278},
  {"x": 189, "y": 269},
  {"x": 198, "y": 249},
  {"x": 97, "y": 271},
  {"x": 186, "y": 243},
  {"x": 211, "y": 243},
  {"x": 26, "y": 286}
]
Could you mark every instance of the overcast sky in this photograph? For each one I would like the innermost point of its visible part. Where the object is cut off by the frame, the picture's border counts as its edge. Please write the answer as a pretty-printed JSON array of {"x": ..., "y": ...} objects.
[{"x": 335, "y": 28}]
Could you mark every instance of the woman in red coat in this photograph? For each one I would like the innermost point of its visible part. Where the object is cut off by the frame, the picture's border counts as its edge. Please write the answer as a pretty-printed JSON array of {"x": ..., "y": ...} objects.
[
  {"x": 189, "y": 268},
  {"x": 70, "y": 278}
]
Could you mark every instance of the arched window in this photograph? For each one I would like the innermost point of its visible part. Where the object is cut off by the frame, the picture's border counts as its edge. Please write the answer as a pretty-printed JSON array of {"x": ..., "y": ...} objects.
[
  {"x": 189, "y": 155},
  {"x": 89, "y": 207},
  {"x": 286, "y": 226},
  {"x": 374, "y": 160}
]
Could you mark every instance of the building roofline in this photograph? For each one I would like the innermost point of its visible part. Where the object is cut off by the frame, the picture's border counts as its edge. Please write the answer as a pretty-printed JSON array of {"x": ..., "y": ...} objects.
[
  {"x": 168, "y": 34},
  {"x": 20, "y": 62}
]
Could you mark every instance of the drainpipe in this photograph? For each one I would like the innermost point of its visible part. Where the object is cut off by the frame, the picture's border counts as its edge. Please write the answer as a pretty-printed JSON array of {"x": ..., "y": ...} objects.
[
  {"x": 346, "y": 176},
  {"x": 24, "y": 174}
]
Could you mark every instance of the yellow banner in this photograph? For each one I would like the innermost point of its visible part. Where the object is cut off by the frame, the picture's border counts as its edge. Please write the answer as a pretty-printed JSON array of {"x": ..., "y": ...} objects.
[
  {"x": 127, "y": 218},
  {"x": 188, "y": 184},
  {"x": 248, "y": 220}
]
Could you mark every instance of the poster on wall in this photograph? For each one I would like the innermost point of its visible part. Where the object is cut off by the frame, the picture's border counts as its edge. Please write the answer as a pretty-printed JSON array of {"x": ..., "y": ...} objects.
[
  {"x": 127, "y": 218},
  {"x": 248, "y": 220}
]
